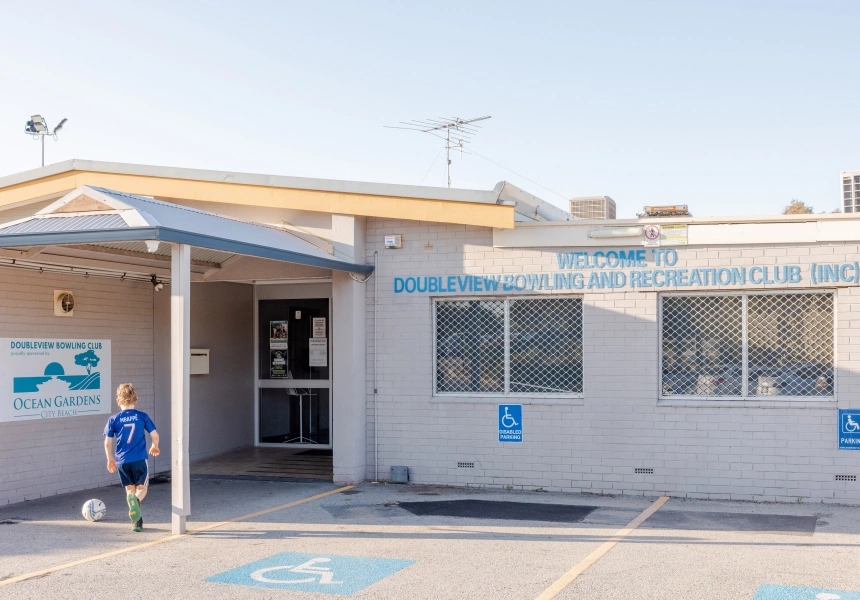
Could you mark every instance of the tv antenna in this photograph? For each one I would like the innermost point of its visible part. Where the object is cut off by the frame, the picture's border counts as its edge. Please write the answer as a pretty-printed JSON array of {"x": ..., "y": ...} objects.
[{"x": 457, "y": 132}]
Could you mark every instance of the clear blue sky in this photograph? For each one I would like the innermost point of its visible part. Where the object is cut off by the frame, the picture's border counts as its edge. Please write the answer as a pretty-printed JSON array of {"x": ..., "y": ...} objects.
[{"x": 730, "y": 107}]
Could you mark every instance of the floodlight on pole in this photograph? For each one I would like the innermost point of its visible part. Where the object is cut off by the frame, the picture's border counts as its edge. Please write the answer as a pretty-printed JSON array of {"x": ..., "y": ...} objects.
[{"x": 38, "y": 128}]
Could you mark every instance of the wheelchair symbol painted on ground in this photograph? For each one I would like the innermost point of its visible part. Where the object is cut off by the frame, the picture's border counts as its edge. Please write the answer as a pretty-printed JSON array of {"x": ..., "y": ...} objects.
[
  {"x": 326, "y": 577},
  {"x": 323, "y": 574},
  {"x": 780, "y": 592}
]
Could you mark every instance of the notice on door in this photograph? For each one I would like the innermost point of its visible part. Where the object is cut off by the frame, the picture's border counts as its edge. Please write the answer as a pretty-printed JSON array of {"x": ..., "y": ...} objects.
[
  {"x": 318, "y": 348},
  {"x": 278, "y": 335},
  {"x": 278, "y": 364},
  {"x": 319, "y": 327}
]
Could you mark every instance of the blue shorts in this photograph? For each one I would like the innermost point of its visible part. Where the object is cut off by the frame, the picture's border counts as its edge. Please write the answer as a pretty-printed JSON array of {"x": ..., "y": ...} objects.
[{"x": 133, "y": 473}]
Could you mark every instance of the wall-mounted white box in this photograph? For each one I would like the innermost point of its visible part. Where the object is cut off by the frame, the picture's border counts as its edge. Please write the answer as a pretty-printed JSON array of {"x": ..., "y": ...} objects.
[{"x": 199, "y": 362}]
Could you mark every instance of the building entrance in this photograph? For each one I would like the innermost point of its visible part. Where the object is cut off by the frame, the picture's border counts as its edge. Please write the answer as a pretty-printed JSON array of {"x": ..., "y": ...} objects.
[{"x": 294, "y": 372}]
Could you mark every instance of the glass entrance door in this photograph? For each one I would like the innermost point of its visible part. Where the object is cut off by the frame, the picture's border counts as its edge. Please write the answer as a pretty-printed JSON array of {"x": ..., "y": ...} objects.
[{"x": 294, "y": 372}]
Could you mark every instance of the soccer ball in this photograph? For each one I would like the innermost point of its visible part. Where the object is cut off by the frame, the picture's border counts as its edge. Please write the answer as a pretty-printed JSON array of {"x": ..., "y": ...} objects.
[{"x": 93, "y": 510}]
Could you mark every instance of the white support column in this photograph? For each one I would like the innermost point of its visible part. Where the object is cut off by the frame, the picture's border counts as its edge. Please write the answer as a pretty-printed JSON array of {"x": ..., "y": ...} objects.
[
  {"x": 180, "y": 359},
  {"x": 349, "y": 355}
]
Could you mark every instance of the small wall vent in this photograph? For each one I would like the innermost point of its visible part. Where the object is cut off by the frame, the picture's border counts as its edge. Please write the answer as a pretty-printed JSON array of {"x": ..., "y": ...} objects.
[
  {"x": 465, "y": 465},
  {"x": 846, "y": 478},
  {"x": 644, "y": 471},
  {"x": 64, "y": 303}
]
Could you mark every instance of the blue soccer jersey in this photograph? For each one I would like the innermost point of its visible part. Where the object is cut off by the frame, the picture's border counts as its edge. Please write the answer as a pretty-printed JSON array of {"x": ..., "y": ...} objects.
[{"x": 128, "y": 427}]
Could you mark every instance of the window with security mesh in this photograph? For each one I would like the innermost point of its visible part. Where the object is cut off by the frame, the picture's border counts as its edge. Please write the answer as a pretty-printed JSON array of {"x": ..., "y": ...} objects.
[
  {"x": 790, "y": 345},
  {"x": 702, "y": 345},
  {"x": 470, "y": 346},
  {"x": 748, "y": 345},
  {"x": 545, "y": 346},
  {"x": 522, "y": 346}
]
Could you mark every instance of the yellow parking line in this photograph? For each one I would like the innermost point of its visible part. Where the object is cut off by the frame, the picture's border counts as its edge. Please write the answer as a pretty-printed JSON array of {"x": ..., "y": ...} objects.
[
  {"x": 169, "y": 538},
  {"x": 569, "y": 577}
]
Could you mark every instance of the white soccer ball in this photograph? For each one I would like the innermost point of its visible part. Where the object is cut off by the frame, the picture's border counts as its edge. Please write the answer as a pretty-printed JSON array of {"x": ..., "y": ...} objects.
[{"x": 93, "y": 510}]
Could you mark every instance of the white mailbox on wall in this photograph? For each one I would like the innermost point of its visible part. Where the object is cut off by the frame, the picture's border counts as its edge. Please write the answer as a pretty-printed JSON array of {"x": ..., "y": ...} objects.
[{"x": 199, "y": 362}]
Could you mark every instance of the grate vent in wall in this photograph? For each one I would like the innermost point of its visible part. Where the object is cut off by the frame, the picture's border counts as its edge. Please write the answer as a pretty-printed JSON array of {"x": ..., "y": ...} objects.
[
  {"x": 465, "y": 465},
  {"x": 643, "y": 471},
  {"x": 846, "y": 478}
]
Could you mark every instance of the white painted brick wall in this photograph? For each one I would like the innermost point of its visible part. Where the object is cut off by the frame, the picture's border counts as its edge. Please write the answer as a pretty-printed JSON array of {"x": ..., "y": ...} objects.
[
  {"x": 43, "y": 458},
  {"x": 711, "y": 450}
]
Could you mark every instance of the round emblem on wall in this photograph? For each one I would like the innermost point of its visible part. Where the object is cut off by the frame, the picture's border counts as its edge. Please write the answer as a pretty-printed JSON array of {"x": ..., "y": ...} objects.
[{"x": 652, "y": 233}]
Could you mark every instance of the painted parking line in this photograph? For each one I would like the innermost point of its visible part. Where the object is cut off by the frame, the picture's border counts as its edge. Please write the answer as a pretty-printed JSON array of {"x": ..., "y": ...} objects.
[
  {"x": 321, "y": 573},
  {"x": 569, "y": 577},
  {"x": 168, "y": 538},
  {"x": 784, "y": 592}
]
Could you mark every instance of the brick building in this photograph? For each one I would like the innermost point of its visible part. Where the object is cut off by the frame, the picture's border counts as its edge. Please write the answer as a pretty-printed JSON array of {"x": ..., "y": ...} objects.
[{"x": 697, "y": 357}]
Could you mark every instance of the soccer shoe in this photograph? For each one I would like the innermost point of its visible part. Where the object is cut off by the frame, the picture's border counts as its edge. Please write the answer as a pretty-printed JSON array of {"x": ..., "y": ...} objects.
[
  {"x": 138, "y": 526},
  {"x": 133, "y": 508}
]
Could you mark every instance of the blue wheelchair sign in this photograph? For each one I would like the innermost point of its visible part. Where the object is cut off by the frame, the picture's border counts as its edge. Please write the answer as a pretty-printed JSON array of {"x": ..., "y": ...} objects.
[
  {"x": 510, "y": 422},
  {"x": 849, "y": 429}
]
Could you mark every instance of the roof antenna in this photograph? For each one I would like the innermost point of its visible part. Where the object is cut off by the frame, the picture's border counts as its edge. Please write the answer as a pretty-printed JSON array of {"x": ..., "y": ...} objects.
[{"x": 457, "y": 132}]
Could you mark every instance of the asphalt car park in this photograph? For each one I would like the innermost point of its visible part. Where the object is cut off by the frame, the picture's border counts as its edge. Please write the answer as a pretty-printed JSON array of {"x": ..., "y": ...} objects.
[{"x": 272, "y": 539}]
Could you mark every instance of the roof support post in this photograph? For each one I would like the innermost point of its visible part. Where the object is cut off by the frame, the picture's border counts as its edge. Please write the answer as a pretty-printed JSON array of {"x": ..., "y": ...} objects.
[
  {"x": 349, "y": 355},
  {"x": 180, "y": 359}
]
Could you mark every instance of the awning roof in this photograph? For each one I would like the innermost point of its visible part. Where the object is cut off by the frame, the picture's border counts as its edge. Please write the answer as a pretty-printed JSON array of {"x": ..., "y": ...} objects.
[{"x": 94, "y": 215}]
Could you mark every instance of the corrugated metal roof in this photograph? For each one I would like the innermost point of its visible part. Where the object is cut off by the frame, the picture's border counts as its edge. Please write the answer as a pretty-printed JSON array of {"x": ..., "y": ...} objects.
[
  {"x": 197, "y": 253},
  {"x": 143, "y": 218},
  {"x": 73, "y": 223}
]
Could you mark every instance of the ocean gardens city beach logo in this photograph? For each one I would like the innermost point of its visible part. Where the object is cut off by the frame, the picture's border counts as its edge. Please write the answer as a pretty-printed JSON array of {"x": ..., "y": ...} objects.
[
  {"x": 50, "y": 378},
  {"x": 55, "y": 379}
]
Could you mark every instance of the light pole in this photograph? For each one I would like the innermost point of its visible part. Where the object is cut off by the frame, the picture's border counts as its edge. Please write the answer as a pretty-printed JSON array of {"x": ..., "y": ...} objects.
[{"x": 38, "y": 128}]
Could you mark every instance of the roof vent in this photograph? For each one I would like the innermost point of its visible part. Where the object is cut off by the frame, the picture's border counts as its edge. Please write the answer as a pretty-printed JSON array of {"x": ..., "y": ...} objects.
[{"x": 64, "y": 303}]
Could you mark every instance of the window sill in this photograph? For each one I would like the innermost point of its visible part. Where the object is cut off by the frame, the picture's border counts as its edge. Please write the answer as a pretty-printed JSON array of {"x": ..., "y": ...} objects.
[
  {"x": 548, "y": 400},
  {"x": 710, "y": 403}
]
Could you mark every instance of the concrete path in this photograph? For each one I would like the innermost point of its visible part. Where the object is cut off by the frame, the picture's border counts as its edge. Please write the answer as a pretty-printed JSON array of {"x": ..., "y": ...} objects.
[{"x": 394, "y": 542}]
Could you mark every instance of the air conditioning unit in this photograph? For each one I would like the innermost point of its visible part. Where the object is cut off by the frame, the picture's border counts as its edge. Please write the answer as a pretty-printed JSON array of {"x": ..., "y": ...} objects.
[{"x": 64, "y": 303}]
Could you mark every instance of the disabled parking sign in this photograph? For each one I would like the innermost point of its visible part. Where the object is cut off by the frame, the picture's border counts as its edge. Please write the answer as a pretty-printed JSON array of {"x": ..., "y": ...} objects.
[
  {"x": 510, "y": 422},
  {"x": 320, "y": 573},
  {"x": 849, "y": 429}
]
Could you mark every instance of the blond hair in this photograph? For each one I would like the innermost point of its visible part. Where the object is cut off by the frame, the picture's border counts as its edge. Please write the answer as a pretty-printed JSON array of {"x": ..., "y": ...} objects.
[{"x": 126, "y": 395}]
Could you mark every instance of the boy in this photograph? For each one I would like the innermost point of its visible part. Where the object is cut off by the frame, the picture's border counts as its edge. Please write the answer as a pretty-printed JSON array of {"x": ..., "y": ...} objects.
[{"x": 128, "y": 427}]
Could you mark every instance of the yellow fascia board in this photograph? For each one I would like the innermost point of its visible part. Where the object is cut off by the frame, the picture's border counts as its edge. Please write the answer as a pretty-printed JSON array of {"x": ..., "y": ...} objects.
[{"x": 392, "y": 207}]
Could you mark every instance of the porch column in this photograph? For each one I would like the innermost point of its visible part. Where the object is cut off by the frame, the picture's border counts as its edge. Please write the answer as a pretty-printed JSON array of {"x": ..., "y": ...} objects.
[
  {"x": 349, "y": 354},
  {"x": 180, "y": 358}
]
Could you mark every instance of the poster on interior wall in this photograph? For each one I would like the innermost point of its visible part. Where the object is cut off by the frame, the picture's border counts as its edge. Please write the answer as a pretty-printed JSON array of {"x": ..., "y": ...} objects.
[
  {"x": 53, "y": 378},
  {"x": 278, "y": 364},
  {"x": 318, "y": 348},
  {"x": 278, "y": 335}
]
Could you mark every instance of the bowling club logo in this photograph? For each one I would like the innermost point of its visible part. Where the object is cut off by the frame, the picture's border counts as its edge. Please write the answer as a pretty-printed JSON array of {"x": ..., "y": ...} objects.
[{"x": 55, "y": 380}]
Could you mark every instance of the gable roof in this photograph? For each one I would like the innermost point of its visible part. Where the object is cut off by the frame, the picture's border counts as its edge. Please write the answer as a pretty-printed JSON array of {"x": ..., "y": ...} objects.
[{"x": 114, "y": 216}]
